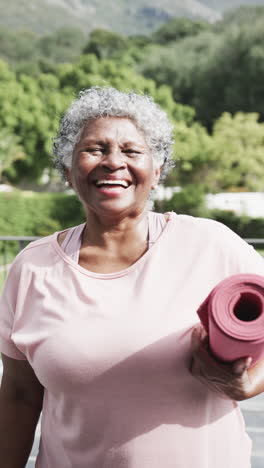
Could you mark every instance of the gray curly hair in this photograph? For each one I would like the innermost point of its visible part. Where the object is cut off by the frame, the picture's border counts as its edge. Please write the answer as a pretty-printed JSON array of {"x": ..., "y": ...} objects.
[{"x": 97, "y": 102}]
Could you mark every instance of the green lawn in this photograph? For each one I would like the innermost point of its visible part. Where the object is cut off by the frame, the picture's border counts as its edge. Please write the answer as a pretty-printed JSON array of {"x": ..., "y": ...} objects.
[
  {"x": 5, "y": 258},
  {"x": 2, "y": 279}
]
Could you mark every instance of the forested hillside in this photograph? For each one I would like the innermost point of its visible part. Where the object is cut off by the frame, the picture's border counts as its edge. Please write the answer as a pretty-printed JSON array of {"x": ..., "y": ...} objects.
[
  {"x": 223, "y": 5},
  {"x": 44, "y": 16},
  {"x": 139, "y": 16}
]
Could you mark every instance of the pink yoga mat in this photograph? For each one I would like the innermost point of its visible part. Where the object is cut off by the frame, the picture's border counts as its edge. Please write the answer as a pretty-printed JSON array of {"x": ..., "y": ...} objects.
[{"x": 233, "y": 316}]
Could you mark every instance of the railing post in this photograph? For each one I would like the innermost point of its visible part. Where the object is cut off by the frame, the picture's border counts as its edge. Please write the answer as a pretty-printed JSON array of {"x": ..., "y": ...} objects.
[{"x": 21, "y": 244}]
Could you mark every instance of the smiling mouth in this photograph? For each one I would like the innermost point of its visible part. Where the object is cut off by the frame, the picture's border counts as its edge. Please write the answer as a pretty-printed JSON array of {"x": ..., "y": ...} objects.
[{"x": 112, "y": 184}]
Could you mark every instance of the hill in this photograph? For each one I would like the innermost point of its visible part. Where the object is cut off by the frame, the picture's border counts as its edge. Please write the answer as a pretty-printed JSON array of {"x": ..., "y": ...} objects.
[
  {"x": 137, "y": 17},
  {"x": 223, "y": 5}
]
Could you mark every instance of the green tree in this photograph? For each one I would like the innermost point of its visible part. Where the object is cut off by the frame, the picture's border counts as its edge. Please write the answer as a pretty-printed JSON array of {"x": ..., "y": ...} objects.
[
  {"x": 232, "y": 78},
  {"x": 10, "y": 151},
  {"x": 239, "y": 149},
  {"x": 90, "y": 71},
  {"x": 178, "y": 28},
  {"x": 17, "y": 47},
  {"x": 195, "y": 158},
  {"x": 244, "y": 15},
  {"x": 65, "y": 45},
  {"x": 30, "y": 112},
  {"x": 105, "y": 44},
  {"x": 229, "y": 159},
  {"x": 215, "y": 71},
  {"x": 180, "y": 64}
]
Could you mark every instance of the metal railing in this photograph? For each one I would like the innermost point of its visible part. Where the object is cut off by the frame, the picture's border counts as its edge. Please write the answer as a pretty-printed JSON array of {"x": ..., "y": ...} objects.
[
  {"x": 21, "y": 240},
  {"x": 255, "y": 241}
]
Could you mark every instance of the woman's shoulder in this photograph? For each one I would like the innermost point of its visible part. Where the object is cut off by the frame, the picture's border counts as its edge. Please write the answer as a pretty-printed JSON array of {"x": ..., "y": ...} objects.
[
  {"x": 202, "y": 232},
  {"x": 191, "y": 225},
  {"x": 42, "y": 250},
  {"x": 162, "y": 216},
  {"x": 196, "y": 224}
]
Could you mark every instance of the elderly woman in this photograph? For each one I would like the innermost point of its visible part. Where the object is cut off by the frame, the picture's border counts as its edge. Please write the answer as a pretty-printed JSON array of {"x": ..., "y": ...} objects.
[{"x": 98, "y": 322}]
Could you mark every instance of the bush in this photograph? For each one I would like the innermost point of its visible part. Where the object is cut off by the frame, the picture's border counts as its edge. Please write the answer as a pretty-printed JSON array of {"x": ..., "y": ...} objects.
[
  {"x": 38, "y": 214},
  {"x": 244, "y": 226},
  {"x": 190, "y": 200}
]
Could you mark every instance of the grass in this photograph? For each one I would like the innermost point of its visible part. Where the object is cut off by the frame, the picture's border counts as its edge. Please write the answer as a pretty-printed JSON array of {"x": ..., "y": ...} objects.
[
  {"x": 2, "y": 280},
  {"x": 6, "y": 257}
]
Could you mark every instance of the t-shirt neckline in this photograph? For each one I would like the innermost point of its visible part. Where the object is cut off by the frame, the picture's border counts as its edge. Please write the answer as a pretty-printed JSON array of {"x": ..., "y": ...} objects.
[{"x": 115, "y": 274}]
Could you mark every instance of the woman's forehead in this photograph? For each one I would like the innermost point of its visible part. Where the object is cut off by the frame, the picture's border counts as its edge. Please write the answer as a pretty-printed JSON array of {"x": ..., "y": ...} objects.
[{"x": 108, "y": 128}]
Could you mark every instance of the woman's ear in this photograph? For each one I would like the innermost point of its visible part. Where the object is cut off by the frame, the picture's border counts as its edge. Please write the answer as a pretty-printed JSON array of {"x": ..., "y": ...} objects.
[
  {"x": 156, "y": 177},
  {"x": 67, "y": 175}
]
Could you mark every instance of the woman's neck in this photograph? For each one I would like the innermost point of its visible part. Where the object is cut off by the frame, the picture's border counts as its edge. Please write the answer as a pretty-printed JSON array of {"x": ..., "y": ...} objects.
[{"x": 113, "y": 234}]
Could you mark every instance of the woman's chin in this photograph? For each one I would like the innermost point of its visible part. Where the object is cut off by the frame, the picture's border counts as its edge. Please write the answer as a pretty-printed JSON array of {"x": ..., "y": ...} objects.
[{"x": 116, "y": 208}]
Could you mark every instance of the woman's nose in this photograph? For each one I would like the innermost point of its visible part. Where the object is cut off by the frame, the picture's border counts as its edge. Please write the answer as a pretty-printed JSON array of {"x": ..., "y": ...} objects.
[{"x": 114, "y": 159}]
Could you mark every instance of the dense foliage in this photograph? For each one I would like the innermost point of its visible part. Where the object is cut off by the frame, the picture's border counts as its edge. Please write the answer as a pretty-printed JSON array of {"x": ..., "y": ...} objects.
[{"x": 38, "y": 214}]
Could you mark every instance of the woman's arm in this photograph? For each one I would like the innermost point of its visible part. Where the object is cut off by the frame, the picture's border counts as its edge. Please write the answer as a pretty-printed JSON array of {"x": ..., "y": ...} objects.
[
  {"x": 237, "y": 380},
  {"x": 21, "y": 397}
]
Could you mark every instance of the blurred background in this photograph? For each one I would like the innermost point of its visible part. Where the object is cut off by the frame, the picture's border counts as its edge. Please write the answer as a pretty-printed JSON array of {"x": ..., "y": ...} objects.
[{"x": 201, "y": 60}]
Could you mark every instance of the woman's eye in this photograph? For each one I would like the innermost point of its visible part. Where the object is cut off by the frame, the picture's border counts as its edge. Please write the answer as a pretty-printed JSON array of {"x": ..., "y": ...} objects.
[
  {"x": 132, "y": 152},
  {"x": 93, "y": 150}
]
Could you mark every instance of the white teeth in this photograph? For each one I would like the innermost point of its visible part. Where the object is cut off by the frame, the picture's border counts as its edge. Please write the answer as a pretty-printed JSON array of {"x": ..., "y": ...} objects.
[{"x": 124, "y": 183}]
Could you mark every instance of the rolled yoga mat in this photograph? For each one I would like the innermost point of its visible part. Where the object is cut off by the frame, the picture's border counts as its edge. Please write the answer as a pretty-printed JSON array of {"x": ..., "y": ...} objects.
[{"x": 233, "y": 316}]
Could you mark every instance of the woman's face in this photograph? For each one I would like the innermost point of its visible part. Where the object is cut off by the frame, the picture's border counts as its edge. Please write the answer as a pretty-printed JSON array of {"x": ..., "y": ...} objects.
[{"x": 112, "y": 168}]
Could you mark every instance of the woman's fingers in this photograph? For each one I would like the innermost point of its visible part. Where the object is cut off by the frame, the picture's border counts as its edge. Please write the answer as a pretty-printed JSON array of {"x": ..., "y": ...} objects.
[
  {"x": 201, "y": 351},
  {"x": 241, "y": 365},
  {"x": 198, "y": 338},
  {"x": 229, "y": 380}
]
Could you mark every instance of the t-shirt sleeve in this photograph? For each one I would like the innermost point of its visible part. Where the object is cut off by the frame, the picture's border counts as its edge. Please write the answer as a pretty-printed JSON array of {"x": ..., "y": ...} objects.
[
  {"x": 243, "y": 258},
  {"x": 229, "y": 253},
  {"x": 8, "y": 304}
]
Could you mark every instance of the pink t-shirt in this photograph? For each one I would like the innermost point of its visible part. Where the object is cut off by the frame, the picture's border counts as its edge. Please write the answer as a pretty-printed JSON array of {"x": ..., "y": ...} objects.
[{"x": 112, "y": 351}]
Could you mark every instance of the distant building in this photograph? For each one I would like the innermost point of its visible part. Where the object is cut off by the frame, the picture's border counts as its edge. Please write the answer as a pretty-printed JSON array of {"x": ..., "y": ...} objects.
[
  {"x": 6, "y": 188},
  {"x": 242, "y": 203}
]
